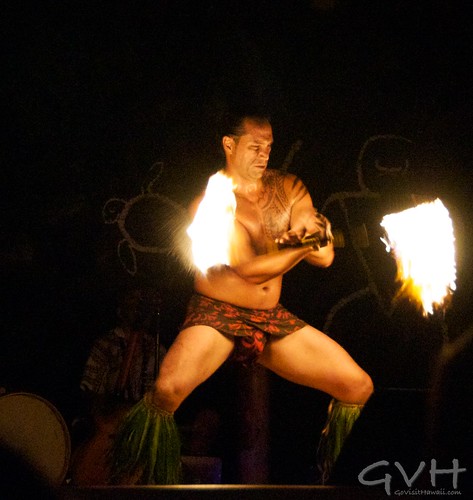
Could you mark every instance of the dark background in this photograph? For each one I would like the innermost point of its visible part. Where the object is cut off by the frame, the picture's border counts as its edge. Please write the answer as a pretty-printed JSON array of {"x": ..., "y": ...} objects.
[{"x": 98, "y": 95}]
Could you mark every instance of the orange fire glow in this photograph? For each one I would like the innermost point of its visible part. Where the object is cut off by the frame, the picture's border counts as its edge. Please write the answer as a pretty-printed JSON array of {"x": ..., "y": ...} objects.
[
  {"x": 212, "y": 228},
  {"x": 423, "y": 243}
]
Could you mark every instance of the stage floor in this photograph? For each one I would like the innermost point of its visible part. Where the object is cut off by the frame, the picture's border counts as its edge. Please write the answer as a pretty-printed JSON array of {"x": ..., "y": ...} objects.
[{"x": 223, "y": 492}]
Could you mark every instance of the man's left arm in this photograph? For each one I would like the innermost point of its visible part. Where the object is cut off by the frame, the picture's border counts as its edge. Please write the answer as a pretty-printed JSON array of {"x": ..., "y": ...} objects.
[{"x": 306, "y": 222}]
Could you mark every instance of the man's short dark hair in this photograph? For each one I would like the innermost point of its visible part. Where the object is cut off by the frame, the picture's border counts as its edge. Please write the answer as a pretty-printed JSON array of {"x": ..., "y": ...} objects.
[{"x": 232, "y": 123}]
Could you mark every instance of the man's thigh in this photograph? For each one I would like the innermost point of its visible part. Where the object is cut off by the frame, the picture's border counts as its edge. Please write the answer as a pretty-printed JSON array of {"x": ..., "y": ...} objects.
[
  {"x": 196, "y": 353},
  {"x": 311, "y": 358}
]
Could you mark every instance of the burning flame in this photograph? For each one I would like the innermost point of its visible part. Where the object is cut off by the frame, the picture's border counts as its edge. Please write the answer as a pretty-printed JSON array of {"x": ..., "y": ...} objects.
[
  {"x": 423, "y": 244},
  {"x": 211, "y": 230}
]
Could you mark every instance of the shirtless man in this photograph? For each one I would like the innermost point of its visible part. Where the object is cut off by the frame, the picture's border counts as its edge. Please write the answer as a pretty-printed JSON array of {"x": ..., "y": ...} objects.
[{"x": 273, "y": 208}]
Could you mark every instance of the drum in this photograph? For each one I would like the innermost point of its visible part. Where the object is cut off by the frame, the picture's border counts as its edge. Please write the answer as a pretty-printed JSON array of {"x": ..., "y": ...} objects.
[{"x": 34, "y": 428}]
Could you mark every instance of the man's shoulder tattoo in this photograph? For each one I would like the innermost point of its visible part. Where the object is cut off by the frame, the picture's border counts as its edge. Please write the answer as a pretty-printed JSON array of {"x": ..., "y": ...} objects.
[{"x": 277, "y": 201}]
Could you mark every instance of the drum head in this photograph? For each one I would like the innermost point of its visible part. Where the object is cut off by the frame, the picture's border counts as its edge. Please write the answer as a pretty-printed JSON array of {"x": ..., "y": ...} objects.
[{"x": 33, "y": 427}]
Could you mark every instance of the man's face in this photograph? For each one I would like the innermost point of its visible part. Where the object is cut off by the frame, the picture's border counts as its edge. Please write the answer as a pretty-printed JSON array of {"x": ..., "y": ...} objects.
[{"x": 250, "y": 152}]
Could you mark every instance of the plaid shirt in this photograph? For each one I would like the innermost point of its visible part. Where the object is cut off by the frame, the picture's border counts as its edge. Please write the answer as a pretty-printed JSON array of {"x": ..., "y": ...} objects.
[{"x": 103, "y": 366}]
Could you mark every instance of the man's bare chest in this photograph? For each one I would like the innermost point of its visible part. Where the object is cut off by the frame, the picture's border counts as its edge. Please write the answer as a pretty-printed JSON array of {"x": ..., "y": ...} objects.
[{"x": 265, "y": 218}]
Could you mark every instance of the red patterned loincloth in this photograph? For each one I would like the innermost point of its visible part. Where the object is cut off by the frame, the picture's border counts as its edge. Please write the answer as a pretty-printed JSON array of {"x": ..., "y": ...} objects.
[{"x": 250, "y": 328}]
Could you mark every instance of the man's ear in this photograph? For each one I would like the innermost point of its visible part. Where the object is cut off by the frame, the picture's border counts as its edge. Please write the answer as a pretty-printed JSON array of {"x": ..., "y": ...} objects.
[{"x": 228, "y": 144}]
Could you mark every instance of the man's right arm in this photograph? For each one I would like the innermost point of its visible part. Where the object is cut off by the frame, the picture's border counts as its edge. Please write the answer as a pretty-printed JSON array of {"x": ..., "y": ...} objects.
[{"x": 257, "y": 269}]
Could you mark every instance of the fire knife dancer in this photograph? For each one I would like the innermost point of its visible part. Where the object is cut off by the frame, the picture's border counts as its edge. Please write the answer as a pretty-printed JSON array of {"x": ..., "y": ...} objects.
[{"x": 235, "y": 312}]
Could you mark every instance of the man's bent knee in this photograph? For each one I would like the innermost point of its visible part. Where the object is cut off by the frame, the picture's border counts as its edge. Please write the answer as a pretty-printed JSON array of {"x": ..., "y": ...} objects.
[
  {"x": 364, "y": 389},
  {"x": 359, "y": 390},
  {"x": 168, "y": 395}
]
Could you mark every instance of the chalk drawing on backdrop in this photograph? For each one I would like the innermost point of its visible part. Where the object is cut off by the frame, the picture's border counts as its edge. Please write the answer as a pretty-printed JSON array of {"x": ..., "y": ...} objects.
[
  {"x": 381, "y": 168},
  {"x": 148, "y": 223}
]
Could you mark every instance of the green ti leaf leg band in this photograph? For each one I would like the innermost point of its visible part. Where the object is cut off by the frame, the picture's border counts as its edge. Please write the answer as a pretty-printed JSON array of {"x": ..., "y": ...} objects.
[
  {"x": 147, "y": 447},
  {"x": 340, "y": 420}
]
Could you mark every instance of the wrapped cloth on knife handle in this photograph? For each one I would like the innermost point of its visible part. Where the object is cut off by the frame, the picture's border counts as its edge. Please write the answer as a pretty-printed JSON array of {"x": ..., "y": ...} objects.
[
  {"x": 316, "y": 240},
  {"x": 359, "y": 238}
]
